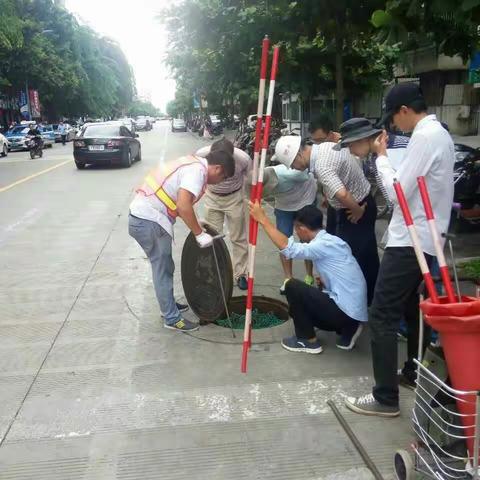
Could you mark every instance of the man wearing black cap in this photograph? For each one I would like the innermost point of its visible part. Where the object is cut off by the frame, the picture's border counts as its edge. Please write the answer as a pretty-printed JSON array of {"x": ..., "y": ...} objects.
[{"x": 430, "y": 153}]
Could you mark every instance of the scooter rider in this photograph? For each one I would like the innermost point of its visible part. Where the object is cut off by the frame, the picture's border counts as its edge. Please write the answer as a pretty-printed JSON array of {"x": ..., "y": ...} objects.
[
  {"x": 35, "y": 134},
  {"x": 34, "y": 131}
]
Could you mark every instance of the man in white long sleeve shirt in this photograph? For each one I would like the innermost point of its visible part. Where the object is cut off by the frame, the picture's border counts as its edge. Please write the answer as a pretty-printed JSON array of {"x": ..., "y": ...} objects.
[{"x": 430, "y": 153}]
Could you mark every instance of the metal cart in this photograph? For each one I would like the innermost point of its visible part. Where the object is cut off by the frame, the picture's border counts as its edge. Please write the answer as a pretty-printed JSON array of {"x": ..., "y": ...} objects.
[{"x": 440, "y": 451}]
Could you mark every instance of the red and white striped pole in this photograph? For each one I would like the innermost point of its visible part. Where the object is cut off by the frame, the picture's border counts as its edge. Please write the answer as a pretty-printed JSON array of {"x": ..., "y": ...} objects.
[
  {"x": 422, "y": 262},
  {"x": 447, "y": 283},
  {"x": 247, "y": 333},
  {"x": 258, "y": 126}
]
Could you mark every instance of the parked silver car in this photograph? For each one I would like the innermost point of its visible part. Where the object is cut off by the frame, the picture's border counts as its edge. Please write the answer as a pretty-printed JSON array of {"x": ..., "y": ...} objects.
[{"x": 178, "y": 125}]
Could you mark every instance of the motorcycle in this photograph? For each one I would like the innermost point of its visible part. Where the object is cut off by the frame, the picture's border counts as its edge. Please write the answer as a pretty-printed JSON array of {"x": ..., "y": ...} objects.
[
  {"x": 35, "y": 146},
  {"x": 466, "y": 178},
  {"x": 216, "y": 130},
  {"x": 466, "y": 175}
]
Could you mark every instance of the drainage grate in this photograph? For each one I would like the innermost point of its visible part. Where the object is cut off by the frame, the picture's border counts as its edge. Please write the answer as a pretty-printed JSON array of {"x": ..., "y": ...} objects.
[{"x": 259, "y": 320}]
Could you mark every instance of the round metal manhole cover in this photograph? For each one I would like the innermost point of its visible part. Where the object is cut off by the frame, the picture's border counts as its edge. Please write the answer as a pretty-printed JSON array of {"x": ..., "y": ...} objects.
[{"x": 200, "y": 278}]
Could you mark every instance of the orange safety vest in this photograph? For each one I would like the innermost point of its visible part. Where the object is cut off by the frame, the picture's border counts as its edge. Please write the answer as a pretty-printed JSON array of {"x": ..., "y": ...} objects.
[{"x": 154, "y": 181}]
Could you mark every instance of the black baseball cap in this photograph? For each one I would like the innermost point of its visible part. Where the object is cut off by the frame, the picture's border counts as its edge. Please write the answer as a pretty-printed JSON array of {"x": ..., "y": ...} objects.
[{"x": 407, "y": 93}]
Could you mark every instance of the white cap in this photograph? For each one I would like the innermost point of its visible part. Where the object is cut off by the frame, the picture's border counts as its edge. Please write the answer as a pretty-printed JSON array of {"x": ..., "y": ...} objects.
[{"x": 287, "y": 149}]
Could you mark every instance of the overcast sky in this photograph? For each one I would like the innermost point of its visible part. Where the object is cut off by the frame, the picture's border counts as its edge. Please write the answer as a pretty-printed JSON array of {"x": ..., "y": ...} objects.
[{"x": 133, "y": 25}]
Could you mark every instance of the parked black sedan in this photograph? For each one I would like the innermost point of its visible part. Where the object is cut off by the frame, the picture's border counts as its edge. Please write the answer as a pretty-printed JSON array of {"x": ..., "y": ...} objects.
[{"x": 106, "y": 143}]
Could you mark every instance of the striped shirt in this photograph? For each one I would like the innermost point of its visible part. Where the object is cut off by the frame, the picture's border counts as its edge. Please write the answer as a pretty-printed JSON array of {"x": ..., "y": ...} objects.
[
  {"x": 335, "y": 170},
  {"x": 243, "y": 164},
  {"x": 396, "y": 148}
]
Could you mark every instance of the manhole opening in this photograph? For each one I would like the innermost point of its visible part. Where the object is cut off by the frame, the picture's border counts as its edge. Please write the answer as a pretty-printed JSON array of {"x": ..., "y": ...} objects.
[{"x": 267, "y": 313}]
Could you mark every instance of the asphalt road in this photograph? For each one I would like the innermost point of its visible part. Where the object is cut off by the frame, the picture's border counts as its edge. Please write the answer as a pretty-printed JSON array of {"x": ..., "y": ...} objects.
[{"x": 92, "y": 386}]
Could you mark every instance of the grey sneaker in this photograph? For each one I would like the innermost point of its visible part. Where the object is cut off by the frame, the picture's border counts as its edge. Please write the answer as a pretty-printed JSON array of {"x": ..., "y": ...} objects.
[
  {"x": 183, "y": 326},
  {"x": 367, "y": 405}
]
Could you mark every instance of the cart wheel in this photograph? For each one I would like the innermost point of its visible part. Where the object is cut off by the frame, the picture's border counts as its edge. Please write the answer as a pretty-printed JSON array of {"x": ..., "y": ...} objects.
[{"x": 403, "y": 465}]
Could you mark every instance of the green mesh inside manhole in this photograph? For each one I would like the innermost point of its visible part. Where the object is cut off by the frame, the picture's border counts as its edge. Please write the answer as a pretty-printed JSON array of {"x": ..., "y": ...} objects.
[
  {"x": 259, "y": 320},
  {"x": 267, "y": 312}
]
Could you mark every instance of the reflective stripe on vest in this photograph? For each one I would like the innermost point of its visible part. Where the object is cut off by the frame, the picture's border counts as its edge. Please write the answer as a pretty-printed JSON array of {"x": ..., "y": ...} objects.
[
  {"x": 161, "y": 194},
  {"x": 154, "y": 181}
]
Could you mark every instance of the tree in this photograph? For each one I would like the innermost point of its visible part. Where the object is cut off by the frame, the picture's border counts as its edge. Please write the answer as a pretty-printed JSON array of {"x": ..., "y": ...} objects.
[
  {"x": 214, "y": 48},
  {"x": 450, "y": 25},
  {"x": 76, "y": 71},
  {"x": 139, "y": 107},
  {"x": 182, "y": 104}
]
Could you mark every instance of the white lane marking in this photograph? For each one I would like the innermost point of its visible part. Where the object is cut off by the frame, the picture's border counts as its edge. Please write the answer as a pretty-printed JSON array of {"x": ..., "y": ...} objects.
[
  {"x": 25, "y": 219},
  {"x": 164, "y": 147}
]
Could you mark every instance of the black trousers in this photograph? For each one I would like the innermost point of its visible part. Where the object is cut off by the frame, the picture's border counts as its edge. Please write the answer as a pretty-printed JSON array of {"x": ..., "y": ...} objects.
[
  {"x": 362, "y": 241},
  {"x": 396, "y": 297},
  {"x": 64, "y": 139},
  {"x": 310, "y": 307},
  {"x": 331, "y": 226}
]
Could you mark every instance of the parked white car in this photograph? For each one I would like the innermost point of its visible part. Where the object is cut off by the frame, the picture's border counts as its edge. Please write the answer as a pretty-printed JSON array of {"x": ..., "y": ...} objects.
[
  {"x": 143, "y": 123},
  {"x": 3, "y": 146},
  {"x": 178, "y": 125}
]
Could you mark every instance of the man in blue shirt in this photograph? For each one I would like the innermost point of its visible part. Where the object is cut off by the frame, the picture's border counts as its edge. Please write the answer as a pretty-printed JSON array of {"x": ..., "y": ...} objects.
[{"x": 341, "y": 306}]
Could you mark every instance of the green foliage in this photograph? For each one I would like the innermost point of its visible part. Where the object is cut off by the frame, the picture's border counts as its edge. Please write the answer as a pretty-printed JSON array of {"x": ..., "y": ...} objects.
[
  {"x": 471, "y": 269},
  {"x": 182, "y": 104},
  {"x": 139, "y": 107},
  {"x": 76, "y": 71},
  {"x": 450, "y": 25},
  {"x": 214, "y": 47}
]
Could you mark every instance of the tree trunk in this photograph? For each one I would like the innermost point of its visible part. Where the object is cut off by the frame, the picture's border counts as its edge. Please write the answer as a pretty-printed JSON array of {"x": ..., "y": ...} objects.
[{"x": 339, "y": 79}]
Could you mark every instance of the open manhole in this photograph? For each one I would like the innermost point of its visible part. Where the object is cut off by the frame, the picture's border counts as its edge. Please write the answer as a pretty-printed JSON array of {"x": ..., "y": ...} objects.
[
  {"x": 267, "y": 313},
  {"x": 207, "y": 280}
]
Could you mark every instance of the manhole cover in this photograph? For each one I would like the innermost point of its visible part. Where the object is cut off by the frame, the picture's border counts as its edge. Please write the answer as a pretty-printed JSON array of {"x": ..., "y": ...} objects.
[
  {"x": 200, "y": 279},
  {"x": 267, "y": 312}
]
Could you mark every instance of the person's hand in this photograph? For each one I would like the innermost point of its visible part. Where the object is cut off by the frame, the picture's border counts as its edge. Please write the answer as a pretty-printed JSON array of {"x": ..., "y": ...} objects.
[
  {"x": 324, "y": 202},
  {"x": 355, "y": 216},
  {"x": 257, "y": 212},
  {"x": 379, "y": 145},
  {"x": 335, "y": 137},
  {"x": 204, "y": 240}
]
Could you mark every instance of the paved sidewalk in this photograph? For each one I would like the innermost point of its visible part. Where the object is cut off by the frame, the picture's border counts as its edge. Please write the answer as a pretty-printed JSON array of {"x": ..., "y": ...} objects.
[
  {"x": 121, "y": 397},
  {"x": 93, "y": 387}
]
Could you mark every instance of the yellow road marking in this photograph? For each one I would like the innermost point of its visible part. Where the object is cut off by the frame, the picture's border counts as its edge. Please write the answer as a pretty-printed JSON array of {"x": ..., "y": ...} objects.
[{"x": 30, "y": 177}]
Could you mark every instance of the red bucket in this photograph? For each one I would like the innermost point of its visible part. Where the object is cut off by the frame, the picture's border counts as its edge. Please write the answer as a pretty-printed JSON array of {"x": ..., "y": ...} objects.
[{"x": 459, "y": 327}]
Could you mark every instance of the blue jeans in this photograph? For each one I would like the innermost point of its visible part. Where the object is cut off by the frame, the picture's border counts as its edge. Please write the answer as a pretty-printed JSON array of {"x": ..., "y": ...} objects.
[
  {"x": 284, "y": 221},
  {"x": 157, "y": 245}
]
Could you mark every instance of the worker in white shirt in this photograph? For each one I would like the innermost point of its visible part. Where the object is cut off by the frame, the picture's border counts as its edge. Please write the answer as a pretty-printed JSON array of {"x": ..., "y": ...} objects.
[
  {"x": 225, "y": 201},
  {"x": 430, "y": 153},
  {"x": 169, "y": 192},
  {"x": 291, "y": 191}
]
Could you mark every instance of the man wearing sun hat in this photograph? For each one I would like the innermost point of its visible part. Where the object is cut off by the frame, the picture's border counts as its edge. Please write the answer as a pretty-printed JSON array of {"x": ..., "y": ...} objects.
[{"x": 430, "y": 153}]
